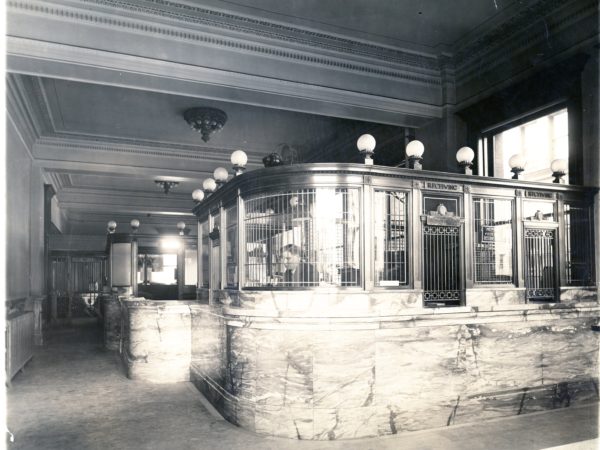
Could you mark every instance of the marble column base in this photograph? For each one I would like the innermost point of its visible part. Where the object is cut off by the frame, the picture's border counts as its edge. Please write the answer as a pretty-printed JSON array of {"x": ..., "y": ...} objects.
[
  {"x": 111, "y": 313},
  {"x": 156, "y": 341}
]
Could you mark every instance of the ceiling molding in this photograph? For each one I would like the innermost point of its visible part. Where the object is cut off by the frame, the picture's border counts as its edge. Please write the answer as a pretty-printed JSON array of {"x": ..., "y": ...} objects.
[
  {"x": 129, "y": 146},
  {"x": 180, "y": 21},
  {"x": 20, "y": 112},
  {"x": 382, "y": 64},
  {"x": 102, "y": 67}
]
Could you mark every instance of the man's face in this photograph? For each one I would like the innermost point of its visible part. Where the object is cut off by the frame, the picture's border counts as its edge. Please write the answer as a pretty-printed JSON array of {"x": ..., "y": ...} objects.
[{"x": 290, "y": 260}]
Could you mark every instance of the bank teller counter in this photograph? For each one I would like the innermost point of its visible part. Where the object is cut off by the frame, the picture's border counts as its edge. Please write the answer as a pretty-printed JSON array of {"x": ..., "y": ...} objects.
[
  {"x": 344, "y": 300},
  {"x": 431, "y": 239}
]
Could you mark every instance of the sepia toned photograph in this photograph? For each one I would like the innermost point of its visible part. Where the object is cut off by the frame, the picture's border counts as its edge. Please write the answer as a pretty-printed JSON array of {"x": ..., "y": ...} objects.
[{"x": 302, "y": 224}]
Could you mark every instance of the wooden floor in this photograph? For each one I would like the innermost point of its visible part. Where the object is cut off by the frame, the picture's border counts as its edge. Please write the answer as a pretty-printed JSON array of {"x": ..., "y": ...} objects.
[{"x": 73, "y": 395}]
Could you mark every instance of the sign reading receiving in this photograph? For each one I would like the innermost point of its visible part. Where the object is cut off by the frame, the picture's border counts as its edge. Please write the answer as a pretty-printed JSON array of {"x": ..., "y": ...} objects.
[{"x": 435, "y": 185}]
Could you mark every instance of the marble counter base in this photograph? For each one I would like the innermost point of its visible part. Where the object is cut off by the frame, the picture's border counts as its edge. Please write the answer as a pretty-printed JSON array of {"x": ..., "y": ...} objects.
[
  {"x": 156, "y": 342},
  {"x": 315, "y": 381},
  {"x": 111, "y": 312}
]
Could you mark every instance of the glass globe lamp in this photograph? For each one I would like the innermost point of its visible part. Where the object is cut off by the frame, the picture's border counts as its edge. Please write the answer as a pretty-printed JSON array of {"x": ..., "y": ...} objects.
[
  {"x": 465, "y": 156},
  {"x": 239, "y": 159},
  {"x": 198, "y": 195},
  {"x": 209, "y": 185},
  {"x": 221, "y": 176},
  {"x": 414, "y": 153},
  {"x": 181, "y": 228},
  {"x": 366, "y": 146},
  {"x": 559, "y": 169},
  {"x": 517, "y": 165},
  {"x": 111, "y": 226},
  {"x": 135, "y": 224}
]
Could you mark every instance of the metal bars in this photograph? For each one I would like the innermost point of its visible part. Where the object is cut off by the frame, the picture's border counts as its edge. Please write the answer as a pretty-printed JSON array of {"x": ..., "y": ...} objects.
[
  {"x": 540, "y": 273},
  {"x": 390, "y": 238},
  {"x": 441, "y": 265},
  {"x": 493, "y": 229},
  {"x": 231, "y": 269},
  {"x": 303, "y": 238},
  {"x": 579, "y": 245}
]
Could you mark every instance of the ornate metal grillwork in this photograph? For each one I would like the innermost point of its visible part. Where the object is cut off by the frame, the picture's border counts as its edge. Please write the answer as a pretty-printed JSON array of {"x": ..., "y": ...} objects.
[
  {"x": 540, "y": 273},
  {"x": 441, "y": 265}
]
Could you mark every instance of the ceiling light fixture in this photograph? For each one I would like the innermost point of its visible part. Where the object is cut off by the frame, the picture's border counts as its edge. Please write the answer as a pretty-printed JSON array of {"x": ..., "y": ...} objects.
[
  {"x": 166, "y": 186},
  {"x": 205, "y": 121}
]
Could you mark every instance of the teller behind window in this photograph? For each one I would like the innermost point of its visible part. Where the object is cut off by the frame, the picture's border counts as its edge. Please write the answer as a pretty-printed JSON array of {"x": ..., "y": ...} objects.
[{"x": 296, "y": 271}]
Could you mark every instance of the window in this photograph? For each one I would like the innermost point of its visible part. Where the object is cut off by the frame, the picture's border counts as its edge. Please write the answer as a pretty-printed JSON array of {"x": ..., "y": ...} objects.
[
  {"x": 493, "y": 227},
  {"x": 303, "y": 238},
  {"x": 390, "y": 214},
  {"x": 540, "y": 141}
]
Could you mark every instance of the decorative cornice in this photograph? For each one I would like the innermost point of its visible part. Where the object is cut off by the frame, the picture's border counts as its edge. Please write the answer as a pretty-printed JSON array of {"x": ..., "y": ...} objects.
[
  {"x": 412, "y": 68},
  {"x": 196, "y": 15}
]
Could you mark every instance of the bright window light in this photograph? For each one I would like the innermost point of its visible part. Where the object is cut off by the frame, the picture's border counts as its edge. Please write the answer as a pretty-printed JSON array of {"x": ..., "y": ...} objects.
[
  {"x": 171, "y": 243},
  {"x": 540, "y": 141}
]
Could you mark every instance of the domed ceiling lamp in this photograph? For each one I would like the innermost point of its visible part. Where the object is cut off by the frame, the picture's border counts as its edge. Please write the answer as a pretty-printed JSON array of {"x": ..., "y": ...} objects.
[
  {"x": 205, "y": 121},
  {"x": 166, "y": 186}
]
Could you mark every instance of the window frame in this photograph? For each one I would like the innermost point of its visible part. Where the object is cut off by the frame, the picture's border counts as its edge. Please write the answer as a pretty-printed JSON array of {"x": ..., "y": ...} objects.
[{"x": 485, "y": 154}]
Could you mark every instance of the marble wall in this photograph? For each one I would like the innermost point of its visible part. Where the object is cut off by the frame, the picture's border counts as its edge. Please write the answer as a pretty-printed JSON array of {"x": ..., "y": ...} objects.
[{"x": 303, "y": 377}]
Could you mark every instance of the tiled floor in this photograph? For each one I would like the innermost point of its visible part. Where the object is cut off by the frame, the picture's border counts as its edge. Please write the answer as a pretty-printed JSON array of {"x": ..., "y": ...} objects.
[{"x": 73, "y": 395}]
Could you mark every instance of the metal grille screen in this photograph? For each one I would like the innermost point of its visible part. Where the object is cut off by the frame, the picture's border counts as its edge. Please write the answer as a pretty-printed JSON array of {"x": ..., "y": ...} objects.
[
  {"x": 303, "y": 238},
  {"x": 441, "y": 265},
  {"x": 389, "y": 231},
  {"x": 493, "y": 227},
  {"x": 540, "y": 276},
  {"x": 579, "y": 242}
]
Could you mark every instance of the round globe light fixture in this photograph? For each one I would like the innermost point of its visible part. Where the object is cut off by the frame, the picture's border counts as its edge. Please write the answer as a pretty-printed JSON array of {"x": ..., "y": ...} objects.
[
  {"x": 198, "y": 195},
  {"x": 366, "y": 146},
  {"x": 559, "y": 169},
  {"x": 239, "y": 159},
  {"x": 181, "y": 228},
  {"x": 414, "y": 153},
  {"x": 517, "y": 165},
  {"x": 111, "y": 226},
  {"x": 209, "y": 185},
  {"x": 135, "y": 224},
  {"x": 221, "y": 176},
  {"x": 465, "y": 156}
]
